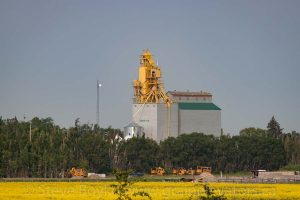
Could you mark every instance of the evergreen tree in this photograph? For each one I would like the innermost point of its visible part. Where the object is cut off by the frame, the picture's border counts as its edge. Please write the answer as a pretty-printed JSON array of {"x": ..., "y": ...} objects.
[{"x": 274, "y": 128}]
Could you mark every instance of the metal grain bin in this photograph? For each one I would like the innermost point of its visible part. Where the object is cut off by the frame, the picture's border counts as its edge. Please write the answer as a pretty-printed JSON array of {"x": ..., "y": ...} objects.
[{"x": 132, "y": 130}]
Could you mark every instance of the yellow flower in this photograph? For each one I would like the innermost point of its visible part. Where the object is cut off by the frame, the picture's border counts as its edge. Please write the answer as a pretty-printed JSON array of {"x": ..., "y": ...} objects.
[{"x": 157, "y": 190}]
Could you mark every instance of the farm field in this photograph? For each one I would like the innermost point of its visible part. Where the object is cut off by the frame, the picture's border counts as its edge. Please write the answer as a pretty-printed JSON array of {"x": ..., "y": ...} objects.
[{"x": 157, "y": 190}]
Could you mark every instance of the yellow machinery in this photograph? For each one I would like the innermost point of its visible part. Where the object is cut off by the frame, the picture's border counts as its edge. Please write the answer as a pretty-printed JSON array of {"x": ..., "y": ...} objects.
[
  {"x": 191, "y": 171},
  {"x": 157, "y": 171},
  {"x": 78, "y": 172},
  {"x": 149, "y": 87},
  {"x": 174, "y": 171},
  {"x": 179, "y": 171},
  {"x": 202, "y": 169}
]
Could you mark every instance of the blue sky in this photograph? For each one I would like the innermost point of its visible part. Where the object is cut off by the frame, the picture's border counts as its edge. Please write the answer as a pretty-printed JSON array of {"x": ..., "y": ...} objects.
[{"x": 246, "y": 53}]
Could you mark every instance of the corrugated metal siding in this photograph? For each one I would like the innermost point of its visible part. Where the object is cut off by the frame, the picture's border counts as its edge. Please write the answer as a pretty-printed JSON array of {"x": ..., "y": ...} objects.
[{"x": 201, "y": 121}]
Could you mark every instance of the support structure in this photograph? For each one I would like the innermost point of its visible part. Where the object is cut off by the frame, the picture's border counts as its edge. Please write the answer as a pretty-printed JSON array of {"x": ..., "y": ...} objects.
[
  {"x": 149, "y": 88},
  {"x": 98, "y": 109}
]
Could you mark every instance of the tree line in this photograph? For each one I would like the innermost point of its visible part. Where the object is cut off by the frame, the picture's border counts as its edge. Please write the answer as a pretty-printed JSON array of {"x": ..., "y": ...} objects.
[{"x": 40, "y": 148}]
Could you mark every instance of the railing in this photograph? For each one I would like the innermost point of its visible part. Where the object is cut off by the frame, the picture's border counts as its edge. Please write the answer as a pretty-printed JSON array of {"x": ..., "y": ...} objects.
[{"x": 260, "y": 180}]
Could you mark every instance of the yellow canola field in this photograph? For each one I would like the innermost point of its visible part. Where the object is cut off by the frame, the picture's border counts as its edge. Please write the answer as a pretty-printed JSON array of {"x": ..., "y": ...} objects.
[{"x": 157, "y": 190}]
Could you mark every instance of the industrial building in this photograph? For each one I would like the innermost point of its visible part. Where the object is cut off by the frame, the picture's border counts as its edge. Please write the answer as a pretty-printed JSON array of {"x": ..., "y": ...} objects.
[{"x": 168, "y": 114}]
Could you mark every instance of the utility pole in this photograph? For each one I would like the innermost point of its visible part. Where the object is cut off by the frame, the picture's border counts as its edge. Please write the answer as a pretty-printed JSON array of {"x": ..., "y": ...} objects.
[{"x": 98, "y": 109}]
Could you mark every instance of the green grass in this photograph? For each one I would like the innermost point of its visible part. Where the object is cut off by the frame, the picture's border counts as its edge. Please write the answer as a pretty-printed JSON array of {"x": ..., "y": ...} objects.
[{"x": 290, "y": 168}]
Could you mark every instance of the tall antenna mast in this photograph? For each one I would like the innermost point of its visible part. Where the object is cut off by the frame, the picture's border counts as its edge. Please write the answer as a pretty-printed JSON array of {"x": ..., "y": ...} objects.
[{"x": 98, "y": 113}]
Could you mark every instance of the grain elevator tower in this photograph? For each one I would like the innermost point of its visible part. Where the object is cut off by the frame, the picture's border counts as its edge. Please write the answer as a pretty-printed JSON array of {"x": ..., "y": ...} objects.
[
  {"x": 149, "y": 87},
  {"x": 151, "y": 105},
  {"x": 162, "y": 115}
]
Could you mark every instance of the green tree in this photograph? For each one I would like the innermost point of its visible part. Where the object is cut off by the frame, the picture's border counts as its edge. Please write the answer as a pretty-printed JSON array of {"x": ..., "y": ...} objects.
[
  {"x": 253, "y": 131},
  {"x": 189, "y": 150},
  {"x": 274, "y": 128},
  {"x": 140, "y": 153},
  {"x": 292, "y": 147},
  {"x": 259, "y": 152},
  {"x": 53, "y": 150}
]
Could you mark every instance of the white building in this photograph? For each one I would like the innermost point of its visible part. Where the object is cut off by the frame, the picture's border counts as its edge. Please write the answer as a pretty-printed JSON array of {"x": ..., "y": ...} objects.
[
  {"x": 189, "y": 112},
  {"x": 132, "y": 130}
]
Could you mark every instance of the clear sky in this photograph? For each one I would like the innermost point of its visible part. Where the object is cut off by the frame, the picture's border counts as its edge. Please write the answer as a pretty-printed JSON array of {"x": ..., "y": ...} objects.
[{"x": 246, "y": 53}]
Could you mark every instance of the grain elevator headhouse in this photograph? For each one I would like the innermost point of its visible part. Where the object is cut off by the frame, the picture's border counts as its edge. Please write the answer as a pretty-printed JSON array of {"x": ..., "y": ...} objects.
[{"x": 164, "y": 115}]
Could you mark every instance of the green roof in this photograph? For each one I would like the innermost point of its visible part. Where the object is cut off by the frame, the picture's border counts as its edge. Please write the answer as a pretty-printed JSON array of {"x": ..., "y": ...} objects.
[{"x": 198, "y": 106}]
